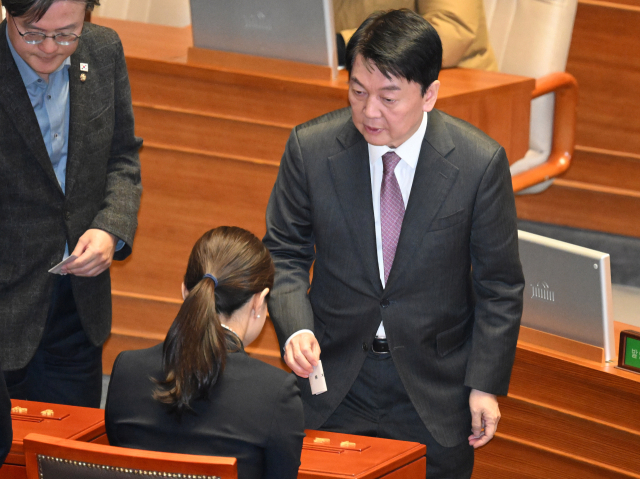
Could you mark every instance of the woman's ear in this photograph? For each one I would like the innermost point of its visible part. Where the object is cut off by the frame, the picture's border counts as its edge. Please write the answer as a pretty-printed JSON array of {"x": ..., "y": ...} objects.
[
  {"x": 185, "y": 291},
  {"x": 260, "y": 302}
]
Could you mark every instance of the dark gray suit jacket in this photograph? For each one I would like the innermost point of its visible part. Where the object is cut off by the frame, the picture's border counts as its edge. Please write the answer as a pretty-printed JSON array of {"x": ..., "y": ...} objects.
[
  {"x": 6, "y": 429},
  {"x": 252, "y": 413},
  {"x": 36, "y": 218},
  {"x": 453, "y": 301}
]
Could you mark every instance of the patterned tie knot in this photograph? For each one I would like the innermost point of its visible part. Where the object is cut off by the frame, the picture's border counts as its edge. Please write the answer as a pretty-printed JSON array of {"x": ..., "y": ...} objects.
[{"x": 389, "y": 162}]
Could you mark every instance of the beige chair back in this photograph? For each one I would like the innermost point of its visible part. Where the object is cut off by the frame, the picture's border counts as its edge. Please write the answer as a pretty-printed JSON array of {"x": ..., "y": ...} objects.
[
  {"x": 174, "y": 13},
  {"x": 532, "y": 38}
]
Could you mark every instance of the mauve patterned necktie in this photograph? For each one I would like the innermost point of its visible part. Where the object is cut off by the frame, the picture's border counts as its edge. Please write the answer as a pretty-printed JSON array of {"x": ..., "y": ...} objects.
[{"x": 391, "y": 210}]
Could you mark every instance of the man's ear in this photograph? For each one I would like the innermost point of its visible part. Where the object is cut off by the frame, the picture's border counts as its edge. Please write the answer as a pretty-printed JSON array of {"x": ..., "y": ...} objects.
[
  {"x": 185, "y": 291},
  {"x": 430, "y": 96}
]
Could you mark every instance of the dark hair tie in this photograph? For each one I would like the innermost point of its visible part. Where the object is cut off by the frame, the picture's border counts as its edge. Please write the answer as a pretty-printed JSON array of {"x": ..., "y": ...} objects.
[{"x": 215, "y": 280}]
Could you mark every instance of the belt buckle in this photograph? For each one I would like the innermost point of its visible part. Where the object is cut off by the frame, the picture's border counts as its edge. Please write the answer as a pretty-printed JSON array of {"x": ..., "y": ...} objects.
[{"x": 380, "y": 346}]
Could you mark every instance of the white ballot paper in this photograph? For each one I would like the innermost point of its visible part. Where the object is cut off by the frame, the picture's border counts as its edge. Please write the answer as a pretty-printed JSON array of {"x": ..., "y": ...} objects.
[
  {"x": 57, "y": 269},
  {"x": 316, "y": 380}
]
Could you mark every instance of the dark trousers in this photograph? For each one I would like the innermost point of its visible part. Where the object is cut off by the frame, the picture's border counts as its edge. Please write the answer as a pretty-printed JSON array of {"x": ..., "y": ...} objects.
[
  {"x": 378, "y": 405},
  {"x": 67, "y": 367}
]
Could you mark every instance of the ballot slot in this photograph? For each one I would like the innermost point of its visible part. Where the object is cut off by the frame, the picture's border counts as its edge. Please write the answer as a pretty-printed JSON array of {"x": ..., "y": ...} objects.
[{"x": 335, "y": 447}]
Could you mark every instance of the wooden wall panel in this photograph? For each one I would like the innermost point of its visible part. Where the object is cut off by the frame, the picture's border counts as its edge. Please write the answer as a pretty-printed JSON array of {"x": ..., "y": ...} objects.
[
  {"x": 226, "y": 93},
  {"x": 601, "y": 393},
  {"x": 605, "y": 59},
  {"x": 601, "y": 189}
]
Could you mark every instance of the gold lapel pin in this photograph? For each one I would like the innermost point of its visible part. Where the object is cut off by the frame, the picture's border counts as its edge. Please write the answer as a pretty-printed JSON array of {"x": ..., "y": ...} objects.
[{"x": 83, "y": 77}]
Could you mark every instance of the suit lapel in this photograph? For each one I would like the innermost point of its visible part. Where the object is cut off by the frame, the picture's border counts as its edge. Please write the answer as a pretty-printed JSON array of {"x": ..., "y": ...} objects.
[
  {"x": 14, "y": 99},
  {"x": 432, "y": 182},
  {"x": 352, "y": 182},
  {"x": 78, "y": 114}
]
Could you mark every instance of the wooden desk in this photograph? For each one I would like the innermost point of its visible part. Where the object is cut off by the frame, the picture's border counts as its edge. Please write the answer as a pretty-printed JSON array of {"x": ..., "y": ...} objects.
[
  {"x": 213, "y": 141},
  {"x": 366, "y": 458},
  {"x": 566, "y": 418},
  {"x": 69, "y": 422}
]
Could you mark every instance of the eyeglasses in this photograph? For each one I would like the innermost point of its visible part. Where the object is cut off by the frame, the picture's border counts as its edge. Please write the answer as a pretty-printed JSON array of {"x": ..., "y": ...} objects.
[{"x": 35, "y": 38}]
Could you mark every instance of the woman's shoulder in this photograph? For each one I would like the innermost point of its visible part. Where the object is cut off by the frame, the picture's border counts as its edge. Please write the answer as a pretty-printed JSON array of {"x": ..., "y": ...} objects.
[
  {"x": 244, "y": 368},
  {"x": 136, "y": 362}
]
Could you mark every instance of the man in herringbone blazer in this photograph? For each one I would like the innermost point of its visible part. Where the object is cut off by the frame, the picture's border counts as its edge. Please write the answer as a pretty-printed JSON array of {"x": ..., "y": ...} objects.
[
  {"x": 414, "y": 346},
  {"x": 69, "y": 184}
]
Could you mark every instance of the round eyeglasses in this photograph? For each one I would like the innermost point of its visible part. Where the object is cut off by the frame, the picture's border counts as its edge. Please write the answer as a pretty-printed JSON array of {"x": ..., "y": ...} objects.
[{"x": 35, "y": 38}]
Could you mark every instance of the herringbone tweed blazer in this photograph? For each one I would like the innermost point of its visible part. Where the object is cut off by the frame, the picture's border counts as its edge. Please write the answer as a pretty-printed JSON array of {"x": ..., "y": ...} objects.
[{"x": 36, "y": 218}]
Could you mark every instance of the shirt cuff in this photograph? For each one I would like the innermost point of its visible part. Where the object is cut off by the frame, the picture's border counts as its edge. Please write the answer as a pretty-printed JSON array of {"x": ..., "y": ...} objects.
[
  {"x": 295, "y": 334},
  {"x": 119, "y": 245}
]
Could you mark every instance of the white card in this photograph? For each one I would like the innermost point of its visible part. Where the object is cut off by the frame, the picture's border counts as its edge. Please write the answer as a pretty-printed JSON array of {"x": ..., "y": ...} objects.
[
  {"x": 316, "y": 380},
  {"x": 57, "y": 269}
]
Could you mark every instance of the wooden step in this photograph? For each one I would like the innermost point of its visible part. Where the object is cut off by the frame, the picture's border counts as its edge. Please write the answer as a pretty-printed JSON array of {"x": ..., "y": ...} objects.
[
  {"x": 570, "y": 433},
  {"x": 184, "y": 195},
  {"x": 606, "y": 168},
  {"x": 599, "y": 393},
  {"x": 583, "y": 205},
  {"x": 210, "y": 133},
  {"x": 506, "y": 457}
]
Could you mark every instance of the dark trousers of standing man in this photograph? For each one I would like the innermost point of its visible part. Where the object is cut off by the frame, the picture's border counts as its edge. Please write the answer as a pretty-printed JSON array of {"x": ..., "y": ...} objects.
[
  {"x": 67, "y": 367},
  {"x": 378, "y": 405}
]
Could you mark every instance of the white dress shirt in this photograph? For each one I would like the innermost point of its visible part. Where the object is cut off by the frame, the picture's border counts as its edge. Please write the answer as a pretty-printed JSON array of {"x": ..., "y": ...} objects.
[{"x": 409, "y": 152}]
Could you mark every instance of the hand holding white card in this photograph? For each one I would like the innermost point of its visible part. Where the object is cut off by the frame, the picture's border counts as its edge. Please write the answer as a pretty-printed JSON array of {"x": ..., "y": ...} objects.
[
  {"x": 316, "y": 380},
  {"x": 57, "y": 269}
]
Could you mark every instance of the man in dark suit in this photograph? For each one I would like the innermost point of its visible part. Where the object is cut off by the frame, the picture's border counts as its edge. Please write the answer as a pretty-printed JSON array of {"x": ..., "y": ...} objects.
[
  {"x": 410, "y": 219},
  {"x": 69, "y": 184}
]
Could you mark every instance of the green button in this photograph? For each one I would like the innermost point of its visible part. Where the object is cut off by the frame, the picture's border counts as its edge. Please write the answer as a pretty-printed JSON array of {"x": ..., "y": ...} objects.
[{"x": 632, "y": 353}]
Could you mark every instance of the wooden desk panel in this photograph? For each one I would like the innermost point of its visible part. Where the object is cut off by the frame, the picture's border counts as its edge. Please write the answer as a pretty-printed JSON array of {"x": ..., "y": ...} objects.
[
  {"x": 369, "y": 458},
  {"x": 497, "y": 103},
  {"x": 69, "y": 422}
]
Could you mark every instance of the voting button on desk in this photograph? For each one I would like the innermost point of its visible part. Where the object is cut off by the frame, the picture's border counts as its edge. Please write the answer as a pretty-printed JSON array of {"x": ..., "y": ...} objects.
[{"x": 629, "y": 351}]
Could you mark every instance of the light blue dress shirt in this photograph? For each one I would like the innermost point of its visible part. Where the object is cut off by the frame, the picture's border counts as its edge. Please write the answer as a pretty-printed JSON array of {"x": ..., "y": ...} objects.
[{"x": 50, "y": 101}]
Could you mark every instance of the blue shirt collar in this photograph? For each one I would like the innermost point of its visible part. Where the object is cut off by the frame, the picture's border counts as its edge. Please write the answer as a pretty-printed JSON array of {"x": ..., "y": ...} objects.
[{"x": 28, "y": 74}]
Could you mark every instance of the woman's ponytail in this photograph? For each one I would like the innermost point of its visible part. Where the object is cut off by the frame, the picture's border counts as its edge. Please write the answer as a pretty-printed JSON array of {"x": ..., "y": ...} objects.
[{"x": 195, "y": 349}]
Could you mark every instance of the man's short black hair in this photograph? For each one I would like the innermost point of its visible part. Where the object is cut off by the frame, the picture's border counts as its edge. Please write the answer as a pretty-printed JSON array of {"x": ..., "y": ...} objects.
[
  {"x": 34, "y": 10},
  {"x": 399, "y": 43}
]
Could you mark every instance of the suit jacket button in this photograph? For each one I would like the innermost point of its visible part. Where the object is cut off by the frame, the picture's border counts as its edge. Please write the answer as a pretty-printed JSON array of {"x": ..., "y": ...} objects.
[
  {"x": 365, "y": 348},
  {"x": 67, "y": 215},
  {"x": 385, "y": 303}
]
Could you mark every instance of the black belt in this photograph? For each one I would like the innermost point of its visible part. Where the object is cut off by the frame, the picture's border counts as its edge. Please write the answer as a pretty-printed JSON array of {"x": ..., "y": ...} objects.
[{"x": 380, "y": 345}]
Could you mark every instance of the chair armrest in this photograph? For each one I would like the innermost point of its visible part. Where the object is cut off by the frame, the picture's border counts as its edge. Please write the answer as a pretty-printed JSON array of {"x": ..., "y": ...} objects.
[{"x": 565, "y": 87}]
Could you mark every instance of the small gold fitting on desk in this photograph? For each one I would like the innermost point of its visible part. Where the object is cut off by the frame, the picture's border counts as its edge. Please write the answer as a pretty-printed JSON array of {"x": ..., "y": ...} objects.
[
  {"x": 347, "y": 444},
  {"x": 322, "y": 440},
  {"x": 19, "y": 410},
  {"x": 47, "y": 412}
]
